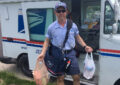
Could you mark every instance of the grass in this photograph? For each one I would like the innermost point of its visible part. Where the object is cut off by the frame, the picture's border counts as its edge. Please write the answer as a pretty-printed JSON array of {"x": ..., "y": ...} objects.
[{"x": 11, "y": 79}]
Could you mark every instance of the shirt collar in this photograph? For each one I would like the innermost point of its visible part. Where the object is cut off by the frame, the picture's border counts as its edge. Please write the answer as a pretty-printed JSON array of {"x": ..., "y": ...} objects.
[{"x": 58, "y": 25}]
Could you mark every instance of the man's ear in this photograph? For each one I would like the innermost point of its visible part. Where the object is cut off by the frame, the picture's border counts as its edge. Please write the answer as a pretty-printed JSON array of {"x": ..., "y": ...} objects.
[
  {"x": 67, "y": 11},
  {"x": 54, "y": 12}
]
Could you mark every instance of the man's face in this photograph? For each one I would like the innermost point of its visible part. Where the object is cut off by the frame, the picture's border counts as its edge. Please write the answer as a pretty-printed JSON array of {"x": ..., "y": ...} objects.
[{"x": 61, "y": 13}]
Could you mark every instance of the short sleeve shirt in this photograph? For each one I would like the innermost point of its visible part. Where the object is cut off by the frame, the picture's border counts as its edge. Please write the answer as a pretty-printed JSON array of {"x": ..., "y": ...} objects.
[{"x": 56, "y": 33}]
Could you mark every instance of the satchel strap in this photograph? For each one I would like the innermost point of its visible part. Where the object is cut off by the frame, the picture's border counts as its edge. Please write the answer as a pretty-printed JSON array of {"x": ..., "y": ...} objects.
[{"x": 69, "y": 25}]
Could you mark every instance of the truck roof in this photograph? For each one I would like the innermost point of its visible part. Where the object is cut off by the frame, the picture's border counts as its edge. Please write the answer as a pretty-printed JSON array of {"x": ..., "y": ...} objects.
[{"x": 18, "y": 1}]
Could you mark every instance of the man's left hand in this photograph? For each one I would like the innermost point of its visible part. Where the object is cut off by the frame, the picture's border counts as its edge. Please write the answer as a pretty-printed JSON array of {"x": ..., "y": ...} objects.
[{"x": 88, "y": 49}]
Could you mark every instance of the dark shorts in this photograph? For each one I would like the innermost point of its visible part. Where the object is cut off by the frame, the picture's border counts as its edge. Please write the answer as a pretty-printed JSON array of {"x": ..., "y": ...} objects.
[{"x": 74, "y": 67}]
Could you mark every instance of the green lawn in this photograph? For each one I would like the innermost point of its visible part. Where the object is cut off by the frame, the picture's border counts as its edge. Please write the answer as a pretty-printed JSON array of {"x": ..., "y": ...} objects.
[{"x": 11, "y": 79}]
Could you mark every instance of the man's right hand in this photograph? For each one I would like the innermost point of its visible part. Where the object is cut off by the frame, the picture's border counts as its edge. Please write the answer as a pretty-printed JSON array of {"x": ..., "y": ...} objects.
[{"x": 41, "y": 57}]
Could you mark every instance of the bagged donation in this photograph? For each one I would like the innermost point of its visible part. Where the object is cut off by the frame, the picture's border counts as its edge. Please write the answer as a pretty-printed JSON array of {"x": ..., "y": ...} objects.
[
  {"x": 89, "y": 66},
  {"x": 40, "y": 73}
]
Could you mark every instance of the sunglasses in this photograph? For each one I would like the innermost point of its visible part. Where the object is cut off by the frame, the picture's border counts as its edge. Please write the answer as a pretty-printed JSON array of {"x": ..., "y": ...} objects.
[{"x": 59, "y": 11}]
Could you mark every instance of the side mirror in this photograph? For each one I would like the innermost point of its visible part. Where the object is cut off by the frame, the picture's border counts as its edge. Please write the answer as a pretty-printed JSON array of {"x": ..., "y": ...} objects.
[
  {"x": 117, "y": 10},
  {"x": 117, "y": 15},
  {"x": 114, "y": 28}
]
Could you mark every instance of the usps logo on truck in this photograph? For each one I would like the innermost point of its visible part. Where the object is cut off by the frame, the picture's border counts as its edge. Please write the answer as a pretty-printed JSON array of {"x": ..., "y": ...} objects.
[{"x": 36, "y": 21}]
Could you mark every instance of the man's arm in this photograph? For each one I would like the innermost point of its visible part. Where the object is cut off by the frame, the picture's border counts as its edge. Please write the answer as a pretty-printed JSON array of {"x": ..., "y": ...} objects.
[
  {"x": 44, "y": 49},
  {"x": 80, "y": 41},
  {"x": 83, "y": 44}
]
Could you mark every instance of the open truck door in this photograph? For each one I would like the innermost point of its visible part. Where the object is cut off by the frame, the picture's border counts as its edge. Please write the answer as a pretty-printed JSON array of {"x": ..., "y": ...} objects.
[{"x": 37, "y": 17}]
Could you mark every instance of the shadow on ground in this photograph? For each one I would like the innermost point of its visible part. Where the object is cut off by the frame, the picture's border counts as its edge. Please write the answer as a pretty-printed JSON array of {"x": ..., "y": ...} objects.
[{"x": 53, "y": 79}]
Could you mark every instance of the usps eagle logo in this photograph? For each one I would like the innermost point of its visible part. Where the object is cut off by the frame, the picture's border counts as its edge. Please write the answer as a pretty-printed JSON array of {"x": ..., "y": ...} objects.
[{"x": 36, "y": 20}]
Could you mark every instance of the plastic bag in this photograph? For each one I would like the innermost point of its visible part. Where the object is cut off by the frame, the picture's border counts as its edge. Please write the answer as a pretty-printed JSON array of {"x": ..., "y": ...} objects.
[
  {"x": 89, "y": 66},
  {"x": 40, "y": 73}
]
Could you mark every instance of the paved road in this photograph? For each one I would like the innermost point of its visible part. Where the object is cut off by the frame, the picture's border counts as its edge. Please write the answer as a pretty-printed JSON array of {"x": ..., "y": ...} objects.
[{"x": 13, "y": 68}]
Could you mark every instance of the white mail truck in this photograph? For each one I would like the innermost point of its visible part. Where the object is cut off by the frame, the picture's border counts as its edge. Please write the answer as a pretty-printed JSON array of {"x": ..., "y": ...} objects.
[{"x": 24, "y": 24}]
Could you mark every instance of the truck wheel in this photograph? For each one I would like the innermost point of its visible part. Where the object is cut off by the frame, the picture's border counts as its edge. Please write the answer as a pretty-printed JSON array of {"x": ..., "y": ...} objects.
[
  {"x": 117, "y": 82},
  {"x": 24, "y": 65}
]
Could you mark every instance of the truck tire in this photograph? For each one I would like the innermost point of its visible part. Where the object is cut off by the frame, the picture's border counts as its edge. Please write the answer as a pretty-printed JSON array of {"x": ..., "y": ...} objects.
[
  {"x": 24, "y": 65},
  {"x": 117, "y": 82}
]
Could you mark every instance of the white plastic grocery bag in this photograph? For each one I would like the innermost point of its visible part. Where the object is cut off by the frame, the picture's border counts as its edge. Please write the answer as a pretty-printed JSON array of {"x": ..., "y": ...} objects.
[
  {"x": 40, "y": 73},
  {"x": 89, "y": 66}
]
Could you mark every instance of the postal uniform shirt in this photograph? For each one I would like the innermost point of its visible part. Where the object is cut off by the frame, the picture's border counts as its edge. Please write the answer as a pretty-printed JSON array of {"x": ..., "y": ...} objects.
[{"x": 56, "y": 33}]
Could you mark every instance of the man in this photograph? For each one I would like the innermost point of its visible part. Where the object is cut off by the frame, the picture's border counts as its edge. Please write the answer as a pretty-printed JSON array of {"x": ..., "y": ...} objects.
[{"x": 56, "y": 34}]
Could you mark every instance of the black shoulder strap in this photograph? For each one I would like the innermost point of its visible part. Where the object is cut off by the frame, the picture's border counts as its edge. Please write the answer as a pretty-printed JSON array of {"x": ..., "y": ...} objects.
[{"x": 69, "y": 25}]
